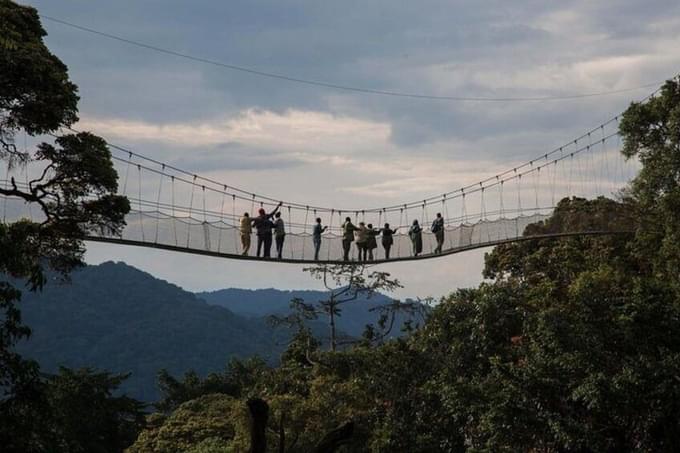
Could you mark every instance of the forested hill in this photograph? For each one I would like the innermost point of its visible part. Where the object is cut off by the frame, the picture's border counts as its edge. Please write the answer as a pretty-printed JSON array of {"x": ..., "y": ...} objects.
[
  {"x": 115, "y": 317},
  {"x": 118, "y": 318}
]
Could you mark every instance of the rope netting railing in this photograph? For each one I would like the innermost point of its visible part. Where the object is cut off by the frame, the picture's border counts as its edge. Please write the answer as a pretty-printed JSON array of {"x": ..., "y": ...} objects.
[{"x": 178, "y": 210}]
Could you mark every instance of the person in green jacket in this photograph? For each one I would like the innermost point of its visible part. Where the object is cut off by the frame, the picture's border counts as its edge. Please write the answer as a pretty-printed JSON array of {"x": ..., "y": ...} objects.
[
  {"x": 348, "y": 230},
  {"x": 245, "y": 230}
]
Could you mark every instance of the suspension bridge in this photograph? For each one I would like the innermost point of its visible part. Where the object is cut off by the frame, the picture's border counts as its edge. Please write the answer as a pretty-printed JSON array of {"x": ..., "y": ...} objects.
[{"x": 178, "y": 210}]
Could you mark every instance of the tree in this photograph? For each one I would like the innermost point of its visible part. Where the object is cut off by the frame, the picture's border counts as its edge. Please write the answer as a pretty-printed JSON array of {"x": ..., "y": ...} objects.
[
  {"x": 237, "y": 380},
  {"x": 74, "y": 188},
  {"x": 86, "y": 414},
  {"x": 651, "y": 133},
  {"x": 210, "y": 423},
  {"x": 73, "y": 411},
  {"x": 573, "y": 346},
  {"x": 344, "y": 283},
  {"x": 36, "y": 94},
  {"x": 415, "y": 310}
]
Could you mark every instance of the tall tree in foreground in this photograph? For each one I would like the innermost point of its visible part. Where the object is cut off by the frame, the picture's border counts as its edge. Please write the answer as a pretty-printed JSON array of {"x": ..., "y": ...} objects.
[{"x": 74, "y": 189}]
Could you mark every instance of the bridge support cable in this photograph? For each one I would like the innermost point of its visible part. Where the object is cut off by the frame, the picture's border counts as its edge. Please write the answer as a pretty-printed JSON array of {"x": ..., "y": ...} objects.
[
  {"x": 4, "y": 199},
  {"x": 174, "y": 217},
  {"x": 158, "y": 207},
  {"x": 401, "y": 227},
  {"x": 582, "y": 172},
  {"x": 219, "y": 238},
  {"x": 127, "y": 172},
  {"x": 605, "y": 153},
  {"x": 623, "y": 179},
  {"x": 191, "y": 208},
  {"x": 501, "y": 211},
  {"x": 236, "y": 224},
  {"x": 139, "y": 199}
]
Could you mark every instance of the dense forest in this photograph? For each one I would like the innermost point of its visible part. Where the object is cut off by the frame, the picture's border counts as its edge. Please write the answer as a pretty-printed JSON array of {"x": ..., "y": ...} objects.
[
  {"x": 571, "y": 344},
  {"x": 118, "y": 318}
]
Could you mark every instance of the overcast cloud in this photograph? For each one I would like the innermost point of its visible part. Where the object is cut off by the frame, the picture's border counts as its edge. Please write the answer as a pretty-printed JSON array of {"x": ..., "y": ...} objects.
[{"x": 325, "y": 146}]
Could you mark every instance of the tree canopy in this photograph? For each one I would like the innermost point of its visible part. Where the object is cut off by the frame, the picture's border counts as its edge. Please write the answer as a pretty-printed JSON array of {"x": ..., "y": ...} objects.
[{"x": 74, "y": 187}]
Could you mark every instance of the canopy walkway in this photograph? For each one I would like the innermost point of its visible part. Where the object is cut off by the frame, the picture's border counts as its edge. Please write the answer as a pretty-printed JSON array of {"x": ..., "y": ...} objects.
[{"x": 174, "y": 209}]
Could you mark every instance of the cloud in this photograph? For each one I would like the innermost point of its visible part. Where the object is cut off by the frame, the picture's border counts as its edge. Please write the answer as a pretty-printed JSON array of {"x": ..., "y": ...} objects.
[{"x": 292, "y": 130}]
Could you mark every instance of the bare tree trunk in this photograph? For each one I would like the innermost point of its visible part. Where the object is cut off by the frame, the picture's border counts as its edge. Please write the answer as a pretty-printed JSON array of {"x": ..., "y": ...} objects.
[
  {"x": 335, "y": 438},
  {"x": 259, "y": 413},
  {"x": 332, "y": 324},
  {"x": 282, "y": 434}
]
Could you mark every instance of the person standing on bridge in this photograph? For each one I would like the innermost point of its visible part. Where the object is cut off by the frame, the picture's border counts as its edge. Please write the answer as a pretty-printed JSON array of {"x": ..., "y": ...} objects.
[
  {"x": 416, "y": 235},
  {"x": 246, "y": 229},
  {"x": 348, "y": 230},
  {"x": 371, "y": 243},
  {"x": 388, "y": 239},
  {"x": 279, "y": 234},
  {"x": 438, "y": 230},
  {"x": 316, "y": 237},
  {"x": 263, "y": 225},
  {"x": 362, "y": 241}
]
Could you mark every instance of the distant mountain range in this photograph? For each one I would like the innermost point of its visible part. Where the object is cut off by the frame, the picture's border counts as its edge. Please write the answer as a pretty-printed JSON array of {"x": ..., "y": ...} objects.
[
  {"x": 264, "y": 302},
  {"x": 115, "y": 317}
]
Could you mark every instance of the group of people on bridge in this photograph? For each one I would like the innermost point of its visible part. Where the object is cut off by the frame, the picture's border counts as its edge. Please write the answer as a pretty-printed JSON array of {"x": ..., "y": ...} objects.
[
  {"x": 270, "y": 228},
  {"x": 266, "y": 229},
  {"x": 365, "y": 237}
]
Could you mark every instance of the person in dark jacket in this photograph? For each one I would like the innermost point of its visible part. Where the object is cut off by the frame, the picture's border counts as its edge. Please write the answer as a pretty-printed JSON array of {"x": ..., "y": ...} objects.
[
  {"x": 416, "y": 235},
  {"x": 279, "y": 234},
  {"x": 263, "y": 226},
  {"x": 371, "y": 242},
  {"x": 388, "y": 239},
  {"x": 348, "y": 230},
  {"x": 316, "y": 237},
  {"x": 438, "y": 230}
]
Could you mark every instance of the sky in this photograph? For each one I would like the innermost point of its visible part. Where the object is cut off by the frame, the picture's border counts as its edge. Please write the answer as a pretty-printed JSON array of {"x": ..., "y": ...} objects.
[{"x": 325, "y": 146}]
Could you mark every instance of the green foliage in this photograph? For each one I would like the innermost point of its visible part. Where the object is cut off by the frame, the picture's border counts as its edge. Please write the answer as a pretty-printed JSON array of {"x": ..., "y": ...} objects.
[
  {"x": 210, "y": 423},
  {"x": 87, "y": 415},
  {"x": 70, "y": 412},
  {"x": 651, "y": 133},
  {"x": 238, "y": 378},
  {"x": 35, "y": 92}
]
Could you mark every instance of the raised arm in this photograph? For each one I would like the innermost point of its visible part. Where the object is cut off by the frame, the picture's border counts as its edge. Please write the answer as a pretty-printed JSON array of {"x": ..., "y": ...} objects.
[{"x": 276, "y": 209}]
